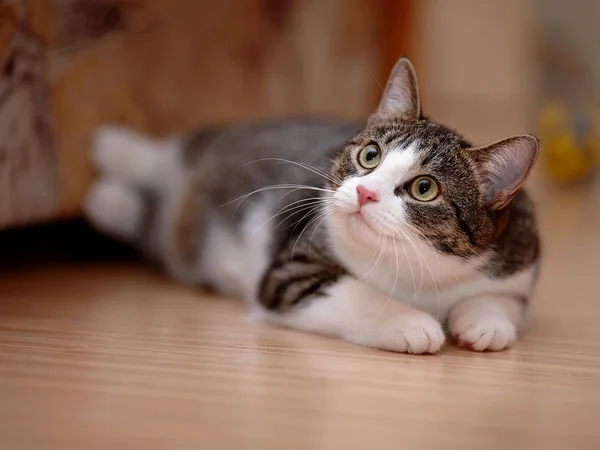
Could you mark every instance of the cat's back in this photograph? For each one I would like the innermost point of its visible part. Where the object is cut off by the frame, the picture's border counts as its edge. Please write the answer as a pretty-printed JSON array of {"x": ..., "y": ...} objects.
[
  {"x": 308, "y": 141},
  {"x": 230, "y": 162}
]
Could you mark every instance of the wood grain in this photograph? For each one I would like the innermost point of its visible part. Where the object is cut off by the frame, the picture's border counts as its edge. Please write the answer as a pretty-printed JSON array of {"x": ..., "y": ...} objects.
[{"x": 99, "y": 356}]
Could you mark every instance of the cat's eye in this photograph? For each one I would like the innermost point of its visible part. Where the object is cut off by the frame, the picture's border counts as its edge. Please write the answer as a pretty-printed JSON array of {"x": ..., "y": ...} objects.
[
  {"x": 370, "y": 156},
  {"x": 424, "y": 189}
]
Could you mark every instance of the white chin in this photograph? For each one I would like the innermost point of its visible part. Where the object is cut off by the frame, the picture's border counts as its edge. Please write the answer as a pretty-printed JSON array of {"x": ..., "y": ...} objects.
[{"x": 362, "y": 225}]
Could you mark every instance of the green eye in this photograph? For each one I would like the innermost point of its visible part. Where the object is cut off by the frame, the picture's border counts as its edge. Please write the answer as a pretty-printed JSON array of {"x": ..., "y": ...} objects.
[
  {"x": 370, "y": 156},
  {"x": 424, "y": 189}
]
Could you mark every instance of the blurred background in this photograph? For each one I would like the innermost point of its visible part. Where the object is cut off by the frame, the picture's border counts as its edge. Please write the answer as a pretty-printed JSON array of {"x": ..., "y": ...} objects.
[
  {"x": 109, "y": 354},
  {"x": 489, "y": 68}
]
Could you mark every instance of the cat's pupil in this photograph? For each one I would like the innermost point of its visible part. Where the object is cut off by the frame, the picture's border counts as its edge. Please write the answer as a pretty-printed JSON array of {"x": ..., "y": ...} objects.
[
  {"x": 371, "y": 154},
  {"x": 424, "y": 186}
]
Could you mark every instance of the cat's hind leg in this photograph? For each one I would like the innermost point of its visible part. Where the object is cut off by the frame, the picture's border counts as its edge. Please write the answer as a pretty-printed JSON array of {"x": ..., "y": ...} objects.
[
  {"x": 123, "y": 153},
  {"x": 115, "y": 208},
  {"x": 145, "y": 196}
]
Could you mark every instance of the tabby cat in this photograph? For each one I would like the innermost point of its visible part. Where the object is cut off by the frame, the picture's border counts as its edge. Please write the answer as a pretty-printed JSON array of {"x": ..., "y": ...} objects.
[{"x": 377, "y": 233}]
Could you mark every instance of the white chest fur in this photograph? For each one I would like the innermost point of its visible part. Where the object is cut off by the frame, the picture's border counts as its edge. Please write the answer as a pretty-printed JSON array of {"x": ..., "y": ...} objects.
[
  {"x": 417, "y": 275},
  {"x": 233, "y": 261}
]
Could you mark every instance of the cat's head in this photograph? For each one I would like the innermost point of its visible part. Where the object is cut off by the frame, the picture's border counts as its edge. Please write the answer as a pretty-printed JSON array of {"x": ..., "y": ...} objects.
[{"x": 406, "y": 178}]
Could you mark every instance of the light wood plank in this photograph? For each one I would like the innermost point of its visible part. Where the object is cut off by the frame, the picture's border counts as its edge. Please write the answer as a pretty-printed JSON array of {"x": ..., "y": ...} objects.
[{"x": 114, "y": 356}]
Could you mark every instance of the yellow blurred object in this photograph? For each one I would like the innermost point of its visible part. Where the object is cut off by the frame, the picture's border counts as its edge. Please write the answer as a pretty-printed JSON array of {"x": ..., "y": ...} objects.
[{"x": 571, "y": 143}]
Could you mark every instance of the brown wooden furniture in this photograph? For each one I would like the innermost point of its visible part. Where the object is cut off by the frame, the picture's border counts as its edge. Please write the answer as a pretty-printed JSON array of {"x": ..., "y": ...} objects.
[{"x": 163, "y": 66}]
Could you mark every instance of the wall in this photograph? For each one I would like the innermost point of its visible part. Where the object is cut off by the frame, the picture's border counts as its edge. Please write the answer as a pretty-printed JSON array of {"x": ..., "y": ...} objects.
[{"x": 476, "y": 60}]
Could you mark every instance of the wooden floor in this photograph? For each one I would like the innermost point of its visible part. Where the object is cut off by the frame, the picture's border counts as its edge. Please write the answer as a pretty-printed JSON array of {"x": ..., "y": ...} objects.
[{"x": 112, "y": 356}]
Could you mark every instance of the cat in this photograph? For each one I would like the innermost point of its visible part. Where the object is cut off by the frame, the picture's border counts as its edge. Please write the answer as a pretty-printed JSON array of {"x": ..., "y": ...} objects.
[{"x": 377, "y": 233}]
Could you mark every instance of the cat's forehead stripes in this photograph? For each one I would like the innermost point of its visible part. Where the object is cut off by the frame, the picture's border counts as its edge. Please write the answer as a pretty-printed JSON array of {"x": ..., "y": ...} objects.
[
  {"x": 434, "y": 145},
  {"x": 431, "y": 138}
]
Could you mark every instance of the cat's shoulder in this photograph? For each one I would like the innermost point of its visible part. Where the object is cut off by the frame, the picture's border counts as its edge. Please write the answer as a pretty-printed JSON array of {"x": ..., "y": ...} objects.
[{"x": 517, "y": 247}]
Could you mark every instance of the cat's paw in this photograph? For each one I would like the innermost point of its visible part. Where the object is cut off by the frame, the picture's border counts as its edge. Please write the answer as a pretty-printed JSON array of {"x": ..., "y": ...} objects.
[
  {"x": 114, "y": 208},
  {"x": 125, "y": 154},
  {"x": 108, "y": 149},
  {"x": 481, "y": 331},
  {"x": 414, "y": 332}
]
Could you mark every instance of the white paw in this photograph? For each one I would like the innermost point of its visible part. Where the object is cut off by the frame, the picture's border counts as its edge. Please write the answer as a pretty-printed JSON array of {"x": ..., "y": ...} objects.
[
  {"x": 114, "y": 208},
  {"x": 413, "y": 332},
  {"x": 125, "y": 154},
  {"x": 480, "y": 330},
  {"x": 106, "y": 150}
]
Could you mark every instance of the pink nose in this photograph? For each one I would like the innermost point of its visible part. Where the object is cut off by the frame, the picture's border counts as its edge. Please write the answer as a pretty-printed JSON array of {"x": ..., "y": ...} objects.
[{"x": 365, "y": 195}]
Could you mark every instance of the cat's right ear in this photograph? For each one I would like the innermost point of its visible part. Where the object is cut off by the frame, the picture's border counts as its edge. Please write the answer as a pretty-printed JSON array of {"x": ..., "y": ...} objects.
[{"x": 401, "y": 95}]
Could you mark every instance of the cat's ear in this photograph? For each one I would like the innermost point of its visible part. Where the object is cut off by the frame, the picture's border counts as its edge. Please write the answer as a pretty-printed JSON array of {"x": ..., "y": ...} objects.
[
  {"x": 401, "y": 95},
  {"x": 506, "y": 165}
]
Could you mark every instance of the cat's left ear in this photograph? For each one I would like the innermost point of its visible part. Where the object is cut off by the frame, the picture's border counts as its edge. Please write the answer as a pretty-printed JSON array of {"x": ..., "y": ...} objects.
[
  {"x": 506, "y": 165},
  {"x": 401, "y": 96}
]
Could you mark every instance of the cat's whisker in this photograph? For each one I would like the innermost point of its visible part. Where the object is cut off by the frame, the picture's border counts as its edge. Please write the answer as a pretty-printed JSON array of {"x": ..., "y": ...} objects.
[
  {"x": 412, "y": 272},
  {"x": 325, "y": 212},
  {"x": 309, "y": 209},
  {"x": 380, "y": 235},
  {"x": 319, "y": 199},
  {"x": 304, "y": 204},
  {"x": 331, "y": 210},
  {"x": 423, "y": 261},
  {"x": 314, "y": 169},
  {"x": 406, "y": 256},
  {"x": 274, "y": 187},
  {"x": 312, "y": 208},
  {"x": 314, "y": 219},
  {"x": 397, "y": 270},
  {"x": 319, "y": 171},
  {"x": 420, "y": 235},
  {"x": 379, "y": 252},
  {"x": 295, "y": 224},
  {"x": 392, "y": 235},
  {"x": 287, "y": 193},
  {"x": 420, "y": 259},
  {"x": 428, "y": 267}
]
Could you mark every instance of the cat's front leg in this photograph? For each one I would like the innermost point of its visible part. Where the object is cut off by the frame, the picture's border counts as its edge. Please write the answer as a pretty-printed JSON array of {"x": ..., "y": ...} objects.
[
  {"x": 354, "y": 311},
  {"x": 487, "y": 322}
]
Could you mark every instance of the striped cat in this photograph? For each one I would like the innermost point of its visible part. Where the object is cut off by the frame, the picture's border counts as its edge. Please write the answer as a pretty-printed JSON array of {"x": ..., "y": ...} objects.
[{"x": 377, "y": 233}]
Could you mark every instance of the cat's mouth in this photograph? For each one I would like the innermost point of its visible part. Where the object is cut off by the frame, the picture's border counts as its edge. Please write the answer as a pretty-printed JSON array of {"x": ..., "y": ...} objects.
[
  {"x": 373, "y": 224},
  {"x": 359, "y": 217}
]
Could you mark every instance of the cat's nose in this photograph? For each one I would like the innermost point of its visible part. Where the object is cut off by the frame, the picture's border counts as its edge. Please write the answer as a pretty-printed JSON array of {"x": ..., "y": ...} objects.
[{"x": 365, "y": 195}]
